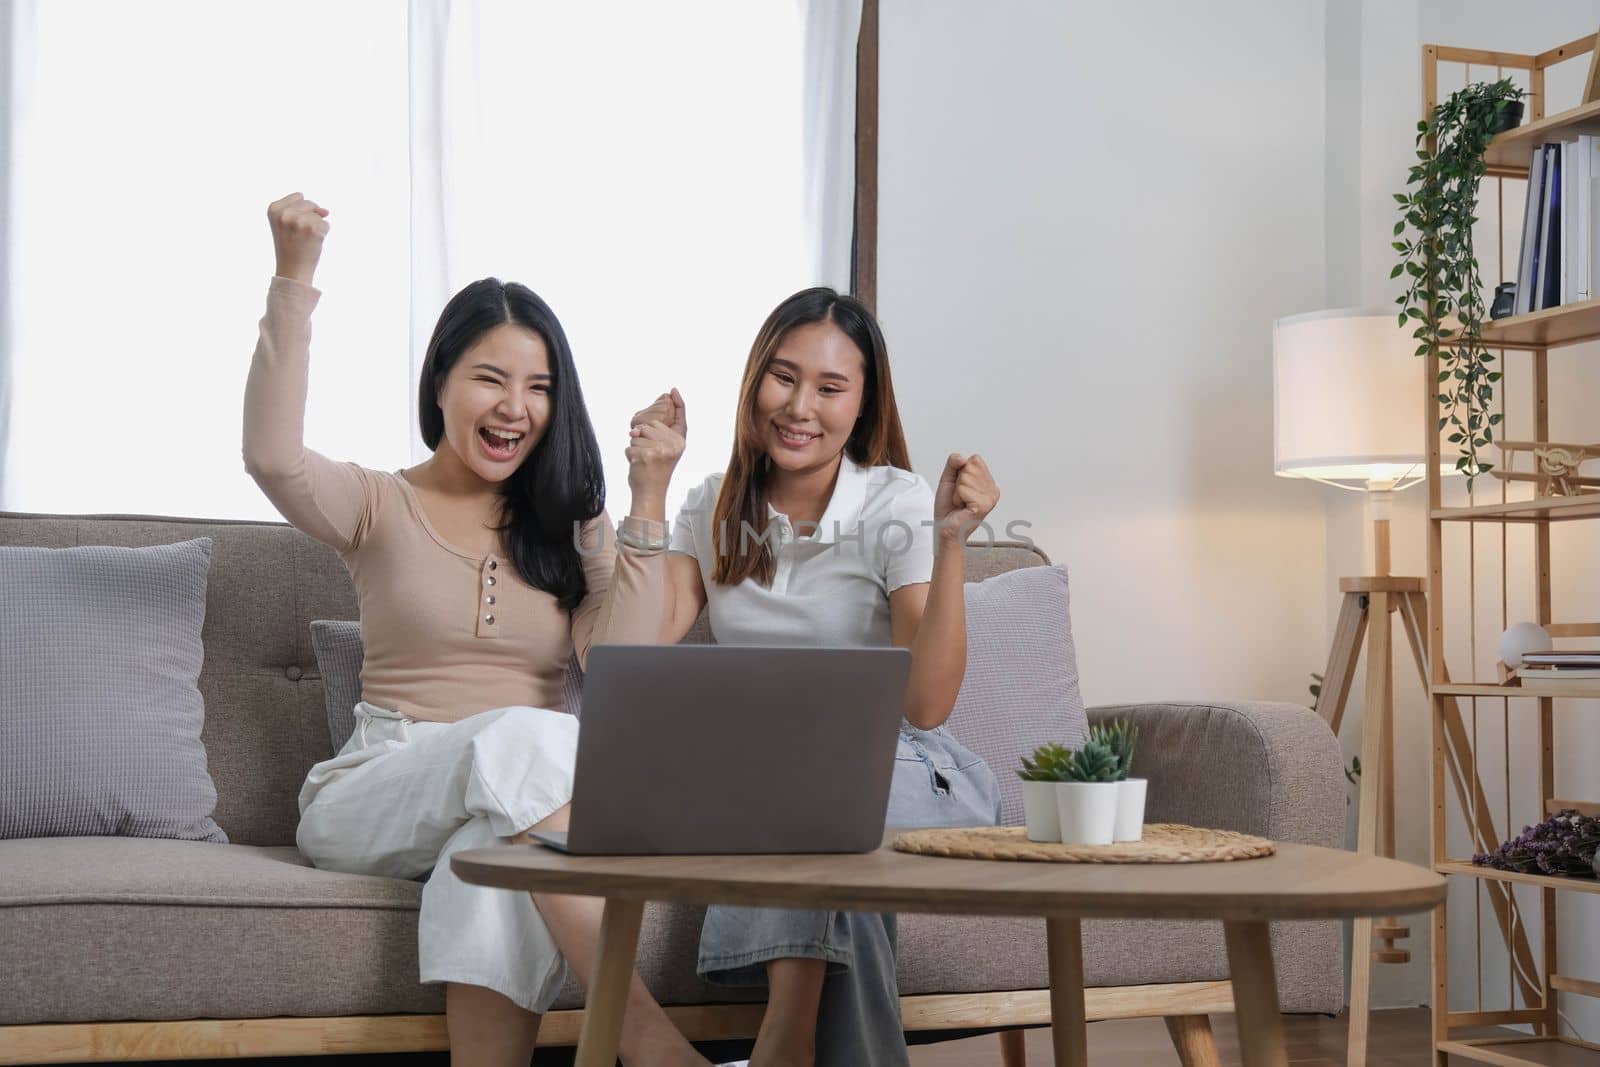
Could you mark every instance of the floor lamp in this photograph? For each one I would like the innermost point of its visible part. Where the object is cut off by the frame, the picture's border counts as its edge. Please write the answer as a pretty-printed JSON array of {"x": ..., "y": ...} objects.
[{"x": 1347, "y": 411}]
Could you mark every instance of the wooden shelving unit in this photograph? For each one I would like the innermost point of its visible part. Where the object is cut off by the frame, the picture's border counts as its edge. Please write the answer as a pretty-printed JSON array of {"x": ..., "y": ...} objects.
[
  {"x": 1467, "y": 870},
  {"x": 1530, "y": 939},
  {"x": 1549, "y": 328}
]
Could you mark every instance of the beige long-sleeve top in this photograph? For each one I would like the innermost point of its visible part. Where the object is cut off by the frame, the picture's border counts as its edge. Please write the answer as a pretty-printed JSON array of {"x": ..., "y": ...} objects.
[{"x": 447, "y": 632}]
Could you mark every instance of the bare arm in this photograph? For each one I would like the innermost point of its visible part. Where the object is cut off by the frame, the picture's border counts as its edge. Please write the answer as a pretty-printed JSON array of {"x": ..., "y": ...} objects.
[
  {"x": 686, "y": 597},
  {"x": 630, "y": 587},
  {"x": 930, "y": 618}
]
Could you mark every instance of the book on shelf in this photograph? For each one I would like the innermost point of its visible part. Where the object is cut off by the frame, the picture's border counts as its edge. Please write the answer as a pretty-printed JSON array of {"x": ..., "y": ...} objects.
[
  {"x": 1556, "y": 670},
  {"x": 1547, "y": 285},
  {"x": 1533, "y": 208},
  {"x": 1559, "y": 250},
  {"x": 1558, "y": 674},
  {"x": 1562, "y": 658}
]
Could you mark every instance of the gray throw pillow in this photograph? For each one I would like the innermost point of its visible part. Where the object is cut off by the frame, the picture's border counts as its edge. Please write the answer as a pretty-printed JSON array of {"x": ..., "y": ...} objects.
[
  {"x": 100, "y": 710},
  {"x": 1021, "y": 685},
  {"x": 337, "y": 645}
]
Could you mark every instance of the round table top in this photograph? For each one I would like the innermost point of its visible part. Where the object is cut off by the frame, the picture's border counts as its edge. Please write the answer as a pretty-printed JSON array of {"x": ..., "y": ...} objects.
[{"x": 1297, "y": 882}]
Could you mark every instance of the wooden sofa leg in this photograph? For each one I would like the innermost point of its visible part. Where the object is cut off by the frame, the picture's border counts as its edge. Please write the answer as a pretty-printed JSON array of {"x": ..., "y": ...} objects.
[
  {"x": 1013, "y": 1048},
  {"x": 1191, "y": 1036}
]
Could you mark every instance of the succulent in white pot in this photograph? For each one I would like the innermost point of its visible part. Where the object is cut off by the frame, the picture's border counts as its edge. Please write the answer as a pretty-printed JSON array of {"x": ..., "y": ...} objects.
[
  {"x": 1122, "y": 737},
  {"x": 1086, "y": 802},
  {"x": 1039, "y": 775}
]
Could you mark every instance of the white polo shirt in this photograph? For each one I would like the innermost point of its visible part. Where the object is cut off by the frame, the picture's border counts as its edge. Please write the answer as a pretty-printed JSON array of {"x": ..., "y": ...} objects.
[{"x": 833, "y": 582}]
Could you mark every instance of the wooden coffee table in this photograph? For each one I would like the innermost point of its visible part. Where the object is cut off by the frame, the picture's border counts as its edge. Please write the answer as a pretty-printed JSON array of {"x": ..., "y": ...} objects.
[{"x": 1298, "y": 882}]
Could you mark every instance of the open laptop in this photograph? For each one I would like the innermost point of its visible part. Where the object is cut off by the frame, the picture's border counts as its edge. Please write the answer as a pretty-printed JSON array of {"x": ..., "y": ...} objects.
[{"x": 716, "y": 749}]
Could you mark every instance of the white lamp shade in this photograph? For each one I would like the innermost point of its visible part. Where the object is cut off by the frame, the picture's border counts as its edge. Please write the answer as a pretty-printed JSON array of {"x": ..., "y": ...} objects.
[{"x": 1347, "y": 393}]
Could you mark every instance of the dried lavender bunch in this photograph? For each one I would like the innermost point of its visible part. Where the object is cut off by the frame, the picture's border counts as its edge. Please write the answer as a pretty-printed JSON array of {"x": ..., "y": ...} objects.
[{"x": 1564, "y": 844}]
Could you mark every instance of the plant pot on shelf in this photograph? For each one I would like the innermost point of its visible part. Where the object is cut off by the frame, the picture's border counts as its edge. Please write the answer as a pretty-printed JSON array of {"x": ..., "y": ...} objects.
[
  {"x": 1130, "y": 808},
  {"x": 1087, "y": 812},
  {"x": 1507, "y": 119},
  {"x": 1039, "y": 806}
]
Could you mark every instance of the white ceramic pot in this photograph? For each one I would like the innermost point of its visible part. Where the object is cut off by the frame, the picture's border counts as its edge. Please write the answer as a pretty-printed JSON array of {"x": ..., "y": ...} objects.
[
  {"x": 1130, "y": 809},
  {"x": 1039, "y": 805},
  {"x": 1088, "y": 812}
]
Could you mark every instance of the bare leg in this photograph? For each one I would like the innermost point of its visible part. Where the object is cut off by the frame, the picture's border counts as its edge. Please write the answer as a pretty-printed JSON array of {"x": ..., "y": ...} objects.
[
  {"x": 788, "y": 1036},
  {"x": 648, "y": 1036},
  {"x": 486, "y": 1029}
]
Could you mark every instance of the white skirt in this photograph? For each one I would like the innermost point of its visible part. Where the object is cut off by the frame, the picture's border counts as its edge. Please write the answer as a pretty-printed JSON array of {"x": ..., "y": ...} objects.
[{"x": 402, "y": 796}]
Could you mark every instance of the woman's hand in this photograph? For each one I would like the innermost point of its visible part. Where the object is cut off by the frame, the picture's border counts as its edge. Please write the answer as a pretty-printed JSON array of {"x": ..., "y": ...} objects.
[
  {"x": 965, "y": 496},
  {"x": 656, "y": 439},
  {"x": 298, "y": 227}
]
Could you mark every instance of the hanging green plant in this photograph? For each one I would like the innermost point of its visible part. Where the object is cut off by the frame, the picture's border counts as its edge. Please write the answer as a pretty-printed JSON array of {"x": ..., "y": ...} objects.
[{"x": 1445, "y": 295}]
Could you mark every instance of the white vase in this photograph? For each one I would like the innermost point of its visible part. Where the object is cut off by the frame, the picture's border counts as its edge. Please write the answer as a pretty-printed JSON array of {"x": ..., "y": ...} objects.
[
  {"x": 1039, "y": 805},
  {"x": 1130, "y": 808},
  {"x": 1088, "y": 812}
]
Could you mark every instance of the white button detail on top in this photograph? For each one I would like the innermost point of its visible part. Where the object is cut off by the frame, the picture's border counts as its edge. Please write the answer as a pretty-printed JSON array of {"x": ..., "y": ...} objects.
[{"x": 493, "y": 564}]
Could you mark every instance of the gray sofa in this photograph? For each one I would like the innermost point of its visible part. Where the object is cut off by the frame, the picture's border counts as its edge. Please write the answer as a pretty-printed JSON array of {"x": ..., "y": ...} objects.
[{"x": 119, "y": 948}]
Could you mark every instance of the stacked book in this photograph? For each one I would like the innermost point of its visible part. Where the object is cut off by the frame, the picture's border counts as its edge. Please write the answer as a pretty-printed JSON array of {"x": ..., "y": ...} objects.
[
  {"x": 1558, "y": 263},
  {"x": 1550, "y": 669}
]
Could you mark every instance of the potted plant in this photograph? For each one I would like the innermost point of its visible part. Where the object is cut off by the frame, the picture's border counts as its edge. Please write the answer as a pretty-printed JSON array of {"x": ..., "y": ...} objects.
[
  {"x": 1122, "y": 737},
  {"x": 1039, "y": 777},
  {"x": 1087, "y": 799},
  {"x": 1444, "y": 298}
]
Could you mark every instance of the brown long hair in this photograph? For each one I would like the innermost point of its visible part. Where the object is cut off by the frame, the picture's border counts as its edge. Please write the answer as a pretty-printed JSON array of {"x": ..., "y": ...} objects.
[{"x": 876, "y": 440}]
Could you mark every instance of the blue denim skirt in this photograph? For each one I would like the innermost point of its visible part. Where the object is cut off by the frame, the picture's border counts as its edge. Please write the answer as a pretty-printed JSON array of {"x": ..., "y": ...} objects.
[{"x": 938, "y": 781}]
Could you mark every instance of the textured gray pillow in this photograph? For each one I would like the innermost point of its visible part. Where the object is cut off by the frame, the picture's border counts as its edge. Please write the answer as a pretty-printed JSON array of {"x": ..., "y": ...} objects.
[
  {"x": 100, "y": 713},
  {"x": 1021, "y": 686},
  {"x": 337, "y": 645}
]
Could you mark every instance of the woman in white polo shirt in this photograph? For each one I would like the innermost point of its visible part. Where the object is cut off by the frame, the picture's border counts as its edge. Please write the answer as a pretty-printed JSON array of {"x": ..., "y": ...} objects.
[{"x": 819, "y": 534}]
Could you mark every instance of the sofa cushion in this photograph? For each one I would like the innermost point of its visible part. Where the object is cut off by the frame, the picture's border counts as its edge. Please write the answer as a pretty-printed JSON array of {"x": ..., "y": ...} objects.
[
  {"x": 100, "y": 714},
  {"x": 241, "y": 928},
  {"x": 1021, "y": 686},
  {"x": 97, "y": 870}
]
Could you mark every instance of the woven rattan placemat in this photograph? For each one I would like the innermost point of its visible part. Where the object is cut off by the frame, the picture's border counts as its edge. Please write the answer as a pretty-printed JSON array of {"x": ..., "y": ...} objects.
[{"x": 1162, "y": 843}]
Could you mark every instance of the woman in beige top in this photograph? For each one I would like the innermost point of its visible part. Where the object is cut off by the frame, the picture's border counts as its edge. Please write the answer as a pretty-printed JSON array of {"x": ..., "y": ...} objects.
[{"x": 479, "y": 573}]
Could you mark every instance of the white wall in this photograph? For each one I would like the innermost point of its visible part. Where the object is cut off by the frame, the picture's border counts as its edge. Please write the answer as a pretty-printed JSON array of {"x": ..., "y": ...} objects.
[
  {"x": 1086, "y": 232},
  {"x": 1091, "y": 213}
]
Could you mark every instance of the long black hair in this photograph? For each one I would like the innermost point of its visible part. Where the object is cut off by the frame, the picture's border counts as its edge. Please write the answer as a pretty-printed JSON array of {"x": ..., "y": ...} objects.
[{"x": 561, "y": 483}]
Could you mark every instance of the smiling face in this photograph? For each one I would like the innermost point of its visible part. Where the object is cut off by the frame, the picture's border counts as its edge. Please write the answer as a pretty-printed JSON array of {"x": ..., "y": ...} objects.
[
  {"x": 496, "y": 401},
  {"x": 809, "y": 397}
]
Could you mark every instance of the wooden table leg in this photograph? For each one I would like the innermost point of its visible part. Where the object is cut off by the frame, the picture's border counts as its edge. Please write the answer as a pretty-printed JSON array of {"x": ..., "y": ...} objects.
[
  {"x": 1067, "y": 1024},
  {"x": 1255, "y": 994},
  {"x": 608, "y": 997}
]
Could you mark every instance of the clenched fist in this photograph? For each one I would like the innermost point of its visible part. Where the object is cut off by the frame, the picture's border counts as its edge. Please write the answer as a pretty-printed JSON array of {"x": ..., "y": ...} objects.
[
  {"x": 964, "y": 497},
  {"x": 298, "y": 227},
  {"x": 656, "y": 439}
]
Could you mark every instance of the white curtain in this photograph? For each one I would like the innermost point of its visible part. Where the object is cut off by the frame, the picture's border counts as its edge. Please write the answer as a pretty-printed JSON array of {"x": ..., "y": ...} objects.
[
  {"x": 829, "y": 125},
  {"x": 151, "y": 140},
  {"x": 661, "y": 174},
  {"x": 16, "y": 26}
]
